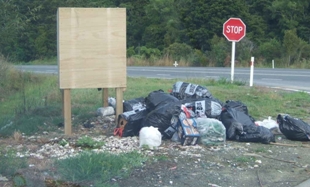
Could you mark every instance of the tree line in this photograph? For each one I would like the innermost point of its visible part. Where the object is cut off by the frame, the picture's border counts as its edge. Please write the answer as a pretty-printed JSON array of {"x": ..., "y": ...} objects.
[{"x": 188, "y": 30}]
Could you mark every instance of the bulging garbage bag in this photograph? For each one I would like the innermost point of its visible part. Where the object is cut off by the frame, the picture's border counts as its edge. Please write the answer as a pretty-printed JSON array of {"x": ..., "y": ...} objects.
[
  {"x": 212, "y": 131},
  {"x": 134, "y": 104},
  {"x": 184, "y": 90},
  {"x": 149, "y": 136},
  {"x": 129, "y": 123},
  {"x": 209, "y": 107},
  {"x": 261, "y": 134},
  {"x": 238, "y": 105},
  {"x": 157, "y": 97},
  {"x": 232, "y": 118},
  {"x": 162, "y": 116},
  {"x": 105, "y": 111},
  {"x": 293, "y": 128}
]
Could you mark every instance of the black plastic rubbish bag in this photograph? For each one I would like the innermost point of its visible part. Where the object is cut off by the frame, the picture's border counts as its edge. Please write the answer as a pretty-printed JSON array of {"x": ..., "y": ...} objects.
[
  {"x": 130, "y": 122},
  {"x": 162, "y": 116},
  {"x": 157, "y": 97},
  {"x": 230, "y": 115},
  {"x": 232, "y": 118},
  {"x": 184, "y": 90},
  {"x": 208, "y": 107},
  {"x": 134, "y": 104},
  {"x": 238, "y": 105},
  {"x": 262, "y": 134},
  {"x": 293, "y": 128}
]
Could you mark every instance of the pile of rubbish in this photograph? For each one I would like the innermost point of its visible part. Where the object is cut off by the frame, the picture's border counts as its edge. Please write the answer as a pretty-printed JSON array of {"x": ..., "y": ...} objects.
[{"x": 191, "y": 115}]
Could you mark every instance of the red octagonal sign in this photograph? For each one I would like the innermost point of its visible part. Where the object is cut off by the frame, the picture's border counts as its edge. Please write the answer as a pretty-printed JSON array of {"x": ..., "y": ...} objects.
[{"x": 234, "y": 29}]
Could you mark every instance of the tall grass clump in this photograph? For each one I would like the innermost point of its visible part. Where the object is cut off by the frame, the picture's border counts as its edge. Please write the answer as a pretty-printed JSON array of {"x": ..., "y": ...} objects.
[
  {"x": 10, "y": 164},
  {"x": 27, "y": 100},
  {"x": 97, "y": 168}
]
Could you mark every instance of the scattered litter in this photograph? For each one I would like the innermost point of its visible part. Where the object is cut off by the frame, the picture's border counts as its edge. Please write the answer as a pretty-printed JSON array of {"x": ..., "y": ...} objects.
[
  {"x": 149, "y": 136},
  {"x": 258, "y": 161},
  {"x": 4, "y": 179},
  {"x": 105, "y": 111},
  {"x": 293, "y": 128},
  {"x": 212, "y": 131}
]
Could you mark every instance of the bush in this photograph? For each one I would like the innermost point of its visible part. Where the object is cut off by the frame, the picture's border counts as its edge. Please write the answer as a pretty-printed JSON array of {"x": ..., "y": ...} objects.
[
  {"x": 177, "y": 51},
  {"x": 270, "y": 50}
]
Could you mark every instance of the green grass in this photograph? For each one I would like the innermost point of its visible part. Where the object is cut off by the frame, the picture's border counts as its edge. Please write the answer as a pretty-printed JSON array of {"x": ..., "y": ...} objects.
[
  {"x": 88, "y": 143},
  {"x": 9, "y": 162},
  {"x": 32, "y": 102},
  {"x": 98, "y": 168}
]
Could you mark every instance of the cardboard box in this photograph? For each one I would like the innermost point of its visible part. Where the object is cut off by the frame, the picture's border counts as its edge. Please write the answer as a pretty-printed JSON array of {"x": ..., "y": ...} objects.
[{"x": 187, "y": 131}]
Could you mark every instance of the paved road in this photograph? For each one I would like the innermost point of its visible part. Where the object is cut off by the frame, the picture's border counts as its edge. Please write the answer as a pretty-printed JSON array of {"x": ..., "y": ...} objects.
[{"x": 291, "y": 79}]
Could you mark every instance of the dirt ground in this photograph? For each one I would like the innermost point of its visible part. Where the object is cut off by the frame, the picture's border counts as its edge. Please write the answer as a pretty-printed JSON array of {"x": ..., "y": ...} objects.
[
  {"x": 233, "y": 165},
  {"x": 285, "y": 163}
]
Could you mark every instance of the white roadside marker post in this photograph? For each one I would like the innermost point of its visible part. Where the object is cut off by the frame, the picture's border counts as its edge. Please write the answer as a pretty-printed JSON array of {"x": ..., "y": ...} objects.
[
  {"x": 252, "y": 71},
  {"x": 175, "y": 64}
]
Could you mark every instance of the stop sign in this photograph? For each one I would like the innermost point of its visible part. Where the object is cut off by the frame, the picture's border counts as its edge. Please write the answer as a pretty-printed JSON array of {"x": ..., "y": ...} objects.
[{"x": 234, "y": 29}]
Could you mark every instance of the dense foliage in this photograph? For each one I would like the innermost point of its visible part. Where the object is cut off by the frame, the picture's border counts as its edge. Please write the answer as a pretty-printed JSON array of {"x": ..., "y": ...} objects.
[{"x": 177, "y": 29}]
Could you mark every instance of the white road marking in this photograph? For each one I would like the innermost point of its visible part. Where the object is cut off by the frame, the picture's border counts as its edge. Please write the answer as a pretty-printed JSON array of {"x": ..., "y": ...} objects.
[
  {"x": 163, "y": 74},
  {"x": 271, "y": 79}
]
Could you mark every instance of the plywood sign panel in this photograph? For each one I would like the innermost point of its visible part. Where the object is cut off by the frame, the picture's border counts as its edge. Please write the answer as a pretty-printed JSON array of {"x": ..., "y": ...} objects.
[{"x": 91, "y": 47}]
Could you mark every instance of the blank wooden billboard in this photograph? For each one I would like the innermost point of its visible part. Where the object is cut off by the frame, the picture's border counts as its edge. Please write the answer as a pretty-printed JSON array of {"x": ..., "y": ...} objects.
[{"x": 91, "y": 47}]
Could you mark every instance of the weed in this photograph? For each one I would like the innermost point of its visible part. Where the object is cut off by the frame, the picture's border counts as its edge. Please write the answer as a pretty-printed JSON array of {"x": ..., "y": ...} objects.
[
  {"x": 63, "y": 142},
  {"x": 17, "y": 136},
  {"x": 98, "y": 167},
  {"x": 260, "y": 150},
  {"x": 161, "y": 157},
  {"x": 243, "y": 159},
  {"x": 88, "y": 142}
]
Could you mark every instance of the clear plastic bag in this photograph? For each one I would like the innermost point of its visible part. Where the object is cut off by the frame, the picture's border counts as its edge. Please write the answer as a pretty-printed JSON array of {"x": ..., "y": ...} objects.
[{"x": 212, "y": 131}]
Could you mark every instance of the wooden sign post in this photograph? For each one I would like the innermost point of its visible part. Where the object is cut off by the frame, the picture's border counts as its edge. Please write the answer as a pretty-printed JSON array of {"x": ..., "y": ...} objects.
[{"x": 91, "y": 50}]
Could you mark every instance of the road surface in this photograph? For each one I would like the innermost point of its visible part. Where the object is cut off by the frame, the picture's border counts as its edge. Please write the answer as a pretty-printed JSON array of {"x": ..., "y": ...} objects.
[{"x": 289, "y": 79}]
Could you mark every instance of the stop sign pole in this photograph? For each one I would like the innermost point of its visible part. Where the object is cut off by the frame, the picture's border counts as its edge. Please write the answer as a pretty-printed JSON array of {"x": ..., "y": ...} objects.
[{"x": 234, "y": 30}]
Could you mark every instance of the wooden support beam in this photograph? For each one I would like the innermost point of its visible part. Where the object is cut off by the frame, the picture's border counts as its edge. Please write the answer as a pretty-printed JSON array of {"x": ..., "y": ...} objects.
[
  {"x": 67, "y": 111},
  {"x": 105, "y": 96},
  {"x": 119, "y": 102}
]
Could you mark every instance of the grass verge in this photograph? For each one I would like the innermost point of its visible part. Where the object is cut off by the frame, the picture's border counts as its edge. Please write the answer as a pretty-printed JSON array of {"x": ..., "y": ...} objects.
[{"x": 36, "y": 104}]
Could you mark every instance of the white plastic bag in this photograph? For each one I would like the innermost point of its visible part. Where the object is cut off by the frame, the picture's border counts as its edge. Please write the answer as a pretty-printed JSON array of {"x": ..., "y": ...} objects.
[
  {"x": 150, "y": 136},
  {"x": 268, "y": 123},
  {"x": 105, "y": 111}
]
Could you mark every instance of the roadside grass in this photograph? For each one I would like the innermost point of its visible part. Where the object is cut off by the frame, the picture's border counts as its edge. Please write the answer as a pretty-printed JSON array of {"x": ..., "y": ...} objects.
[{"x": 32, "y": 102}]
